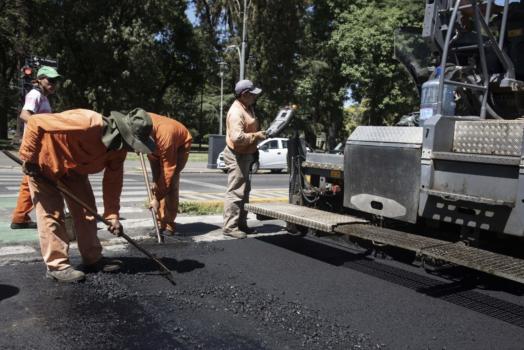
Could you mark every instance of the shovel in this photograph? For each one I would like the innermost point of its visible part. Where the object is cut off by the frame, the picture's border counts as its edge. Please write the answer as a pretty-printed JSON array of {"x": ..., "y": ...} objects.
[
  {"x": 159, "y": 236},
  {"x": 62, "y": 188}
]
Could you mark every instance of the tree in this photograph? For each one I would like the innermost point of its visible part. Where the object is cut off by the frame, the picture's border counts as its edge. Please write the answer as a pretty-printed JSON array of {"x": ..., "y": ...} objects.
[
  {"x": 320, "y": 86},
  {"x": 271, "y": 58},
  {"x": 119, "y": 54},
  {"x": 13, "y": 26},
  {"x": 364, "y": 40}
]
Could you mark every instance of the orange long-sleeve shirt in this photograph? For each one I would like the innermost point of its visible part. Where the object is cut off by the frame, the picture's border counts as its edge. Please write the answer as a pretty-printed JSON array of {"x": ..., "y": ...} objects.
[
  {"x": 72, "y": 141},
  {"x": 173, "y": 143}
]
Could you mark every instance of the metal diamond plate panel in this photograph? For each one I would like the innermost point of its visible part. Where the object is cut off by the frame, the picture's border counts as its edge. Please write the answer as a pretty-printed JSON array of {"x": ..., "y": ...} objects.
[
  {"x": 492, "y": 137},
  {"x": 392, "y": 134},
  {"x": 455, "y": 253},
  {"x": 323, "y": 166},
  {"x": 477, "y": 158},
  {"x": 394, "y": 238},
  {"x": 481, "y": 260},
  {"x": 325, "y": 158},
  {"x": 300, "y": 215}
]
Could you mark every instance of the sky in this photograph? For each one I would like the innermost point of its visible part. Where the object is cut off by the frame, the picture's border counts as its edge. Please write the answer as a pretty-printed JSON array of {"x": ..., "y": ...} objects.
[{"x": 191, "y": 13}]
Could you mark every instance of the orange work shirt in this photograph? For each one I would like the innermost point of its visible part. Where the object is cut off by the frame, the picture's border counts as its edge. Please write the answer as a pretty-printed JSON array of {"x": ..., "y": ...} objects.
[
  {"x": 241, "y": 126},
  {"x": 72, "y": 141},
  {"x": 172, "y": 140}
]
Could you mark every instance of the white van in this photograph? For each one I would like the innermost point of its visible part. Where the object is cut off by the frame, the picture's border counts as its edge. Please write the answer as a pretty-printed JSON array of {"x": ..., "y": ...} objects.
[{"x": 272, "y": 156}]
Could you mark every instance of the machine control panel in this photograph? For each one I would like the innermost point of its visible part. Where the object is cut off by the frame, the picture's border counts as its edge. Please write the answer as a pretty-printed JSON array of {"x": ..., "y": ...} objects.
[{"x": 281, "y": 121}]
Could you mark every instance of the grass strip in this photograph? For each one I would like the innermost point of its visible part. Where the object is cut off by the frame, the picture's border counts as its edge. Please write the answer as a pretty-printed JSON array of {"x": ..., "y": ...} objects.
[{"x": 211, "y": 207}]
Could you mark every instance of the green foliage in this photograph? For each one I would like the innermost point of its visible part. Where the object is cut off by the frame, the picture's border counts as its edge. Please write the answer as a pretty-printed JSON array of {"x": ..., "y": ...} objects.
[
  {"x": 126, "y": 54},
  {"x": 364, "y": 39},
  {"x": 133, "y": 54},
  {"x": 354, "y": 116},
  {"x": 320, "y": 88},
  {"x": 201, "y": 208},
  {"x": 13, "y": 25}
]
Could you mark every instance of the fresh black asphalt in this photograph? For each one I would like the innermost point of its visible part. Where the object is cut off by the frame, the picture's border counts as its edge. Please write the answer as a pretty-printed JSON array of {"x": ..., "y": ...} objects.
[{"x": 274, "y": 292}]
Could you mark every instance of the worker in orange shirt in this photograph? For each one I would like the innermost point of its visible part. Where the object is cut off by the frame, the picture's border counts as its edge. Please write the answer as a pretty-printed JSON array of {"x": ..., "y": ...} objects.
[
  {"x": 173, "y": 142},
  {"x": 66, "y": 147},
  {"x": 35, "y": 102}
]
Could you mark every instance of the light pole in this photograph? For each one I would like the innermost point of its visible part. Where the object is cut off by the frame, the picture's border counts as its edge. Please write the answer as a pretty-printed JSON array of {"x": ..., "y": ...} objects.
[
  {"x": 239, "y": 57},
  {"x": 242, "y": 50},
  {"x": 244, "y": 44},
  {"x": 221, "y": 74}
]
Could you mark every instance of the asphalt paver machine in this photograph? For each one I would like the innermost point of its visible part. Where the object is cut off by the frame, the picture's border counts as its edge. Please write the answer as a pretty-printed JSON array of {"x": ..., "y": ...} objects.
[{"x": 460, "y": 168}]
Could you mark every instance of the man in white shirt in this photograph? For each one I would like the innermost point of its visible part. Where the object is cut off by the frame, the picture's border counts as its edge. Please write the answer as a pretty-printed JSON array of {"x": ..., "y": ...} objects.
[{"x": 36, "y": 102}]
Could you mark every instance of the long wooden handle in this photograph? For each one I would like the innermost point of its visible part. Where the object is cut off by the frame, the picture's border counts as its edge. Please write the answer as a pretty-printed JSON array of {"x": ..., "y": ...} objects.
[{"x": 159, "y": 236}]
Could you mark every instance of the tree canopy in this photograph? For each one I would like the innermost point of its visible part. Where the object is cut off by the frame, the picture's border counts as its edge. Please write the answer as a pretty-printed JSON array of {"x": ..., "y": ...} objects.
[{"x": 164, "y": 56}]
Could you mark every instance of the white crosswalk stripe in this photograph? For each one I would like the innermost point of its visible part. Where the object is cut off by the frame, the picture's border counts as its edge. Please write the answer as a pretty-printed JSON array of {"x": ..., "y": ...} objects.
[{"x": 134, "y": 196}]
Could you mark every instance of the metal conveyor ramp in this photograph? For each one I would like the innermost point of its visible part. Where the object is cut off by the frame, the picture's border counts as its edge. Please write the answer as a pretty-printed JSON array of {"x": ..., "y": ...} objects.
[
  {"x": 456, "y": 253},
  {"x": 313, "y": 218}
]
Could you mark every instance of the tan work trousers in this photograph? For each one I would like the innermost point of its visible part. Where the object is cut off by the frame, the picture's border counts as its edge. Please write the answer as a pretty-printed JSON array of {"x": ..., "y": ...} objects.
[
  {"x": 238, "y": 188},
  {"x": 168, "y": 209},
  {"x": 24, "y": 205},
  {"x": 49, "y": 206}
]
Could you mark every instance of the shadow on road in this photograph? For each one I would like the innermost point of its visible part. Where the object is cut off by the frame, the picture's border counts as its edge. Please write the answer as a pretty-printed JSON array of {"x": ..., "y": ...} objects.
[
  {"x": 460, "y": 293},
  {"x": 134, "y": 265},
  {"x": 196, "y": 229},
  {"x": 7, "y": 291}
]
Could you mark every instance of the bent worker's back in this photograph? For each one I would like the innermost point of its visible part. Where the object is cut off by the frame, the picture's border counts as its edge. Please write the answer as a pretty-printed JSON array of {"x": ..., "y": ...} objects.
[{"x": 71, "y": 140}]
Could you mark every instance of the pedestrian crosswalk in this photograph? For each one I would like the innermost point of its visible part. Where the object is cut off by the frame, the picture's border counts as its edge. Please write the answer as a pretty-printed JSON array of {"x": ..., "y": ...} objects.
[{"x": 134, "y": 194}]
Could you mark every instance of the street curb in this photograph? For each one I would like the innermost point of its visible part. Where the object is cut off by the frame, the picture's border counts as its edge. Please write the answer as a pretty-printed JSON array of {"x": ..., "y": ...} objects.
[{"x": 29, "y": 252}]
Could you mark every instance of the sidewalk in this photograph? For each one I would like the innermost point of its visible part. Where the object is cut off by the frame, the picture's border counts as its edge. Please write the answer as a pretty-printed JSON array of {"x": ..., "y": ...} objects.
[{"x": 22, "y": 245}]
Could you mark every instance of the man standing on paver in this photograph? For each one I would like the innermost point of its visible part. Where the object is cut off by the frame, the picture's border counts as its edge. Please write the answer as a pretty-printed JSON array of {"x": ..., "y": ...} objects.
[
  {"x": 66, "y": 147},
  {"x": 36, "y": 102},
  {"x": 173, "y": 143},
  {"x": 242, "y": 137}
]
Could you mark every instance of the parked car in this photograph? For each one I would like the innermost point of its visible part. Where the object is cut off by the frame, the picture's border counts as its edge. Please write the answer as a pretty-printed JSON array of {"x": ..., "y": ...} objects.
[{"x": 272, "y": 156}]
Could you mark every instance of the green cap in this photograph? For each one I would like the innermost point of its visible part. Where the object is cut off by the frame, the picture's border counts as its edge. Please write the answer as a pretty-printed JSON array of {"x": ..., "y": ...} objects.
[{"x": 47, "y": 72}]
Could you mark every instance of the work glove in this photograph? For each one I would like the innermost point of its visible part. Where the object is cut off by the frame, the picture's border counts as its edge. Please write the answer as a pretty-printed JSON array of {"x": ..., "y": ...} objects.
[
  {"x": 153, "y": 187},
  {"x": 30, "y": 169},
  {"x": 154, "y": 204},
  {"x": 115, "y": 227}
]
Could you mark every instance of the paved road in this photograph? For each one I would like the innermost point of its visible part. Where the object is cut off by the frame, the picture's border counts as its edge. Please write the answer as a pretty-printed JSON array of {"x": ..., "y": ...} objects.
[
  {"x": 194, "y": 186},
  {"x": 271, "y": 292}
]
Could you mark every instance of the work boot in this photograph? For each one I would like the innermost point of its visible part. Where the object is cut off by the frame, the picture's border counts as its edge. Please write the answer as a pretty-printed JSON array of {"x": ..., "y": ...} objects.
[
  {"x": 105, "y": 265},
  {"x": 152, "y": 233},
  {"x": 67, "y": 275},
  {"x": 168, "y": 232},
  {"x": 235, "y": 234},
  {"x": 23, "y": 225},
  {"x": 248, "y": 230}
]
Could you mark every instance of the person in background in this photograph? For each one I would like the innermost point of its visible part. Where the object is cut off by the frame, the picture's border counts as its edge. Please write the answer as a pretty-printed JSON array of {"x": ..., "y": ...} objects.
[
  {"x": 242, "y": 136},
  {"x": 36, "y": 102},
  {"x": 173, "y": 143},
  {"x": 66, "y": 147}
]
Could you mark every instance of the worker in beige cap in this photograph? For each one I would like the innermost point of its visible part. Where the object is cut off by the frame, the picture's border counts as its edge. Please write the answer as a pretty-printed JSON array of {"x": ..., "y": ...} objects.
[{"x": 242, "y": 136}]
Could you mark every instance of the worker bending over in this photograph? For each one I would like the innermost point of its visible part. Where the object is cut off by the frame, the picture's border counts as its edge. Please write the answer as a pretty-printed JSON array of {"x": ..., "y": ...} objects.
[
  {"x": 66, "y": 147},
  {"x": 173, "y": 143}
]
